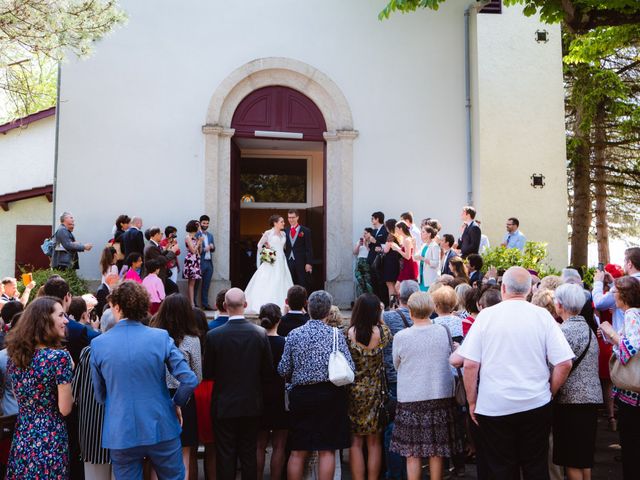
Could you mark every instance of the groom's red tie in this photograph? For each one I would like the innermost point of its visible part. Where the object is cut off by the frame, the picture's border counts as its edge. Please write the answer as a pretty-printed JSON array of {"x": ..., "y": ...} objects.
[{"x": 293, "y": 232}]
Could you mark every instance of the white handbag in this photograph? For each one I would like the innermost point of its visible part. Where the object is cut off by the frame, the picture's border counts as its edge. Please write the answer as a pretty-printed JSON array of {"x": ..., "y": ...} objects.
[{"x": 340, "y": 372}]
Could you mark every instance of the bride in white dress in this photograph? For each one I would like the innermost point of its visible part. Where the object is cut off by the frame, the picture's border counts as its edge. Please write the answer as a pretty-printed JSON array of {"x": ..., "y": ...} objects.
[{"x": 272, "y": 281}]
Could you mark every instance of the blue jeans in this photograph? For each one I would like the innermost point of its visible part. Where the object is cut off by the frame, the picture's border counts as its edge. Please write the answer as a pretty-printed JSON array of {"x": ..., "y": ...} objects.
[
  {"x": 396, "y": 464},
  {"x": 206, "y": 270},
  {"x": 166, "y": 458}
]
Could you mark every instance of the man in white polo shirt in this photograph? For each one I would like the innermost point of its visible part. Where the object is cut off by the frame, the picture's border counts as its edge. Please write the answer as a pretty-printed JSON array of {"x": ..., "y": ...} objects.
[{"x": 511, "y": 345}]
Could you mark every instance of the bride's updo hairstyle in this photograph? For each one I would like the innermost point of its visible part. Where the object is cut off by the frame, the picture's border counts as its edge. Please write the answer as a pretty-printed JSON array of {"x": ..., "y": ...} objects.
[
  {"x": 270, "y": 315},
  {"x": 273, "y": 219}
]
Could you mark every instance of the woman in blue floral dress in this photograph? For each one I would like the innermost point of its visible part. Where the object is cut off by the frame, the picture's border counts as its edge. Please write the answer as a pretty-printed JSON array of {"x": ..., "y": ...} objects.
[{"x": 41, "y": 375}]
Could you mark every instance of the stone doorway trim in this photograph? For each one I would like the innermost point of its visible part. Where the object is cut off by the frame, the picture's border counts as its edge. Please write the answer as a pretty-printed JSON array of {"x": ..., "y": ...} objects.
[{"x": 338, "y": 162}]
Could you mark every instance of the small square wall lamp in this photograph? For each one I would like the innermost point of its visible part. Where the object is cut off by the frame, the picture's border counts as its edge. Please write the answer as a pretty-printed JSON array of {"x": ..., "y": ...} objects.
[
  {"x": 537, "y": 180},
  {"x": 542, "y": 36}
]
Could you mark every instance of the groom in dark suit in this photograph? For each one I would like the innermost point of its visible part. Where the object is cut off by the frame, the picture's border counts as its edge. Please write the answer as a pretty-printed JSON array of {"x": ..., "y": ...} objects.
[{"x": 298, "y": 251}]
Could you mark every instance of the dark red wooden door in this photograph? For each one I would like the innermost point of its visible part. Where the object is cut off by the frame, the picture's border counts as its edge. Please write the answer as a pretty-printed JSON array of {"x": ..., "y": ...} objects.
[
  {"x": 234, "y": 235},
  {"x": 28, "y": 253},
  {"x": 278, "y": 109}
]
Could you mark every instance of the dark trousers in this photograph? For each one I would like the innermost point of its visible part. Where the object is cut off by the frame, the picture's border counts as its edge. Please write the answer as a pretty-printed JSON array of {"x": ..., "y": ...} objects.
[
  {"x": 236, "y": 438},
  {"x": 379, "y": 287},
  {"x": 170, "y": 287},
  {"x": 629, "y": 428},
  {"x": 76, "y": 466},
  {"x": 298, "y": 274},
  {"x": 482, "y": 469},
  {"x": 206, "y": 271},
  {"x": 396, "y": 464},
  {"x": 517, "y": 442}
]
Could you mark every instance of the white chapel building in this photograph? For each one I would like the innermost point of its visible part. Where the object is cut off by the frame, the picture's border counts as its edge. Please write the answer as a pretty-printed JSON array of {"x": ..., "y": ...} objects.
[{"x": 242, "y": 109}]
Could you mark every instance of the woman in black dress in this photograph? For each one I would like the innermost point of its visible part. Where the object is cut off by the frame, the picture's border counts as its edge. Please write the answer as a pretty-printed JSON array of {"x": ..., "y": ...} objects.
[
  {"x": 391, "y": 262},
  {"x": 274, "y": 417}
]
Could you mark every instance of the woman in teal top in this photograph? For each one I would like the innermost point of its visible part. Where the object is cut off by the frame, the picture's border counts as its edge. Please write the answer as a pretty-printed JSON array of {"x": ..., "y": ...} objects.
[{"x": 428, "y": 258}]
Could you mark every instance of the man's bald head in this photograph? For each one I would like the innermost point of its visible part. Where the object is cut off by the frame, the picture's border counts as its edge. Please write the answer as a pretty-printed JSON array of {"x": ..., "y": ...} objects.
[
  {"x": 136, "y": 222},
  {"x": 235, "y": 302},
  {"x": 516, "y": 282}
]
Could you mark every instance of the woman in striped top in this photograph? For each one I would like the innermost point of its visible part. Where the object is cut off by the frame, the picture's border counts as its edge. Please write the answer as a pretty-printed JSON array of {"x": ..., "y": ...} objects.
[{"x": 97, "y": 463}]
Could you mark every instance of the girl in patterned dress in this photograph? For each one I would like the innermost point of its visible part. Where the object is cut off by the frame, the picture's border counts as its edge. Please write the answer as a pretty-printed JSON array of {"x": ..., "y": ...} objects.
[
  {"x": 367, "y": 337},
  {"x": 191, "y": 271},
  {"x": 40, "y": 372}
]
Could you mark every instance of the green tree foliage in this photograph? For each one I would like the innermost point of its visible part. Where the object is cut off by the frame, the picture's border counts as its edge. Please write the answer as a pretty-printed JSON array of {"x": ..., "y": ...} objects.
[
  {"x": 602, "y": 74},
  {"x": 579, "y": 16},
  {"x": 35, "y": 35}
]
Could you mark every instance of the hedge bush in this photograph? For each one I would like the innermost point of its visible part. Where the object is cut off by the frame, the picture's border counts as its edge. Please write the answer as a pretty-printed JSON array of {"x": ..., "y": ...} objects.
[
  {"x": 532, "y": 258},
  {"x": 77, "y": 285}
]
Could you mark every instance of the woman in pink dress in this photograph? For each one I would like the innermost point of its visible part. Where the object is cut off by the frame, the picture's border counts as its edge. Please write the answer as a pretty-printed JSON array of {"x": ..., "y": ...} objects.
[
  {"x": 409, "y": 270},
  {"x": 134, "y": 264},
  {"x": 191, "y": 271}
]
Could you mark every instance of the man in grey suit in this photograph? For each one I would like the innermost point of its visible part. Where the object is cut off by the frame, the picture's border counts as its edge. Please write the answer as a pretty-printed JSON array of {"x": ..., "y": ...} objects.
[
  {"x": 128, "y": 373},
  {"x": 65, "y": 252},
  {"x": 237, "y": 358}
]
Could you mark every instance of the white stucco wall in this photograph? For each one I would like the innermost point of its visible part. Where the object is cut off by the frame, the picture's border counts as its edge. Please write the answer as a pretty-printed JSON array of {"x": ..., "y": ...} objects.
[
  {"x": 135, "y": 110},
  {"x": 518, "y": 110},
  {"x": 27, "y": 155},
  {"x": 131, "y": 115}
]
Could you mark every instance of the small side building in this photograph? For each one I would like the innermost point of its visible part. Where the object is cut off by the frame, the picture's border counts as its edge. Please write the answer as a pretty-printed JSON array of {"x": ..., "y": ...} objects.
[{"x": 27, "y": 149}]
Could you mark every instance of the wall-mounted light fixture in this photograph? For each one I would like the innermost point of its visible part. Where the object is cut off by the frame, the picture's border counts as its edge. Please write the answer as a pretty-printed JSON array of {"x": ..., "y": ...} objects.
[
  {"x": 537, "y": 180},
  {"x": 542, "y": 36},
  {"x": 285, "y": 135}
]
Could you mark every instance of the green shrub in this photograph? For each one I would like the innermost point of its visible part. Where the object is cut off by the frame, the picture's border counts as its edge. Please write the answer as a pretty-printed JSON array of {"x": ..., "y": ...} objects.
[
  {"x": 77, "y": 285},
  {"x": 587, "y": 274},
  {"x": 532, "y": 258}
]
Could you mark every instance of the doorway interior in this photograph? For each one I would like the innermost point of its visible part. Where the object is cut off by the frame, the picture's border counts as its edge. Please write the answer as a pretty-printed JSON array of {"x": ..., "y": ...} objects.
[{"x": 271, "y": 176}]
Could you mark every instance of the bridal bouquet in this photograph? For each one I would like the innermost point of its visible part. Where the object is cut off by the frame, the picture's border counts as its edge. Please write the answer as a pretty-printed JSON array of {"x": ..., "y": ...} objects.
[{"x": 267, "y": 255}]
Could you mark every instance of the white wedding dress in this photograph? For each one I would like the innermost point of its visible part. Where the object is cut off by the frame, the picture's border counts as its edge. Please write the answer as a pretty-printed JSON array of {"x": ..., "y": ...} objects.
[{"x": 272, "y": 281}]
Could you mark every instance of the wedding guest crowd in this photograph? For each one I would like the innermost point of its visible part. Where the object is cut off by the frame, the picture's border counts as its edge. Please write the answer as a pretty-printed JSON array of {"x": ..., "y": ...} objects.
[{"x": 152, "y": 379}]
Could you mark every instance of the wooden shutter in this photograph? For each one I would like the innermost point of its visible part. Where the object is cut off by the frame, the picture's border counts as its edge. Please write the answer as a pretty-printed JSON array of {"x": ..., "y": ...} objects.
[
  {"x": 28, "y": 253},
  {"x": 494, "y": 6}
]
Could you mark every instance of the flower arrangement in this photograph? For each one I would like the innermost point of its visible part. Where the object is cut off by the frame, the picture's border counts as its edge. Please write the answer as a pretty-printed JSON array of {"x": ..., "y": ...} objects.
[{"x": 267, "y": 255}]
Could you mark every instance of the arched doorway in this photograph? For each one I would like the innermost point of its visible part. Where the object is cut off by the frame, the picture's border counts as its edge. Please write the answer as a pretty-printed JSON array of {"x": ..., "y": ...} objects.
[
  {"x": 277, "y": 163},
  {"x": 339, "y": 152}
]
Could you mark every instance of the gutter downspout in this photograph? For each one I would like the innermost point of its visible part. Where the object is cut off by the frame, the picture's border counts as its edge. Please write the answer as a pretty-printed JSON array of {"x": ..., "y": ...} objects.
[
  {"x": 467, "y": 90},
  {"x": 55, "y": 158}
]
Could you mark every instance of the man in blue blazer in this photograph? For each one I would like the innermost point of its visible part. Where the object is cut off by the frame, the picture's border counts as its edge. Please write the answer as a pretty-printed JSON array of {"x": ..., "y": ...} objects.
[
  {"x": 207, "y": 247},
  {"x": 128, "y": 373},
  {"x": 447, "y": 253}
]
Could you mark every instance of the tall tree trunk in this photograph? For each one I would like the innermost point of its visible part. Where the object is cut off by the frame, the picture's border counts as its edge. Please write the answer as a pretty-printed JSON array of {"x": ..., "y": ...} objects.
[
  {"x": 599, "y": 160},
  {"x": 581, "y": 201}
]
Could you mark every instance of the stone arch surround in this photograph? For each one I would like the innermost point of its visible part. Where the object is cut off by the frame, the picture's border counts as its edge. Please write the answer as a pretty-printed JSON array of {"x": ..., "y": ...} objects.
[{"x": 339, "y": 139}]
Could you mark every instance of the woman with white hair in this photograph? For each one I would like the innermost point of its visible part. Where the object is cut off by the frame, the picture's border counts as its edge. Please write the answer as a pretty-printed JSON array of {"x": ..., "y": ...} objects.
[
  {"x": 575, "y": 407},
  {"x": 425, "y": 425}
]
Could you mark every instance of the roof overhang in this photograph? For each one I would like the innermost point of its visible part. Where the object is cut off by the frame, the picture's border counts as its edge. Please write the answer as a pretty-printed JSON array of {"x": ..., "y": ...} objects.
[
  {"x": 46, "y": 191},
  {"x": 24, "y": 121}
]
